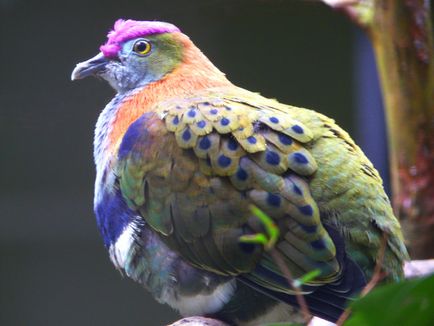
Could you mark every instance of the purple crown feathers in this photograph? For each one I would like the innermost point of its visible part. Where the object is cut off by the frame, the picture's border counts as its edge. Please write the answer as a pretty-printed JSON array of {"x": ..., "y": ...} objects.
[{"x": 124, "y": 30}]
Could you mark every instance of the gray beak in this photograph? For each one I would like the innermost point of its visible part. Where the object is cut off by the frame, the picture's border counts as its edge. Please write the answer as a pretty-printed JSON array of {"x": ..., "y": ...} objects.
[{"x": 89, "y": 67}]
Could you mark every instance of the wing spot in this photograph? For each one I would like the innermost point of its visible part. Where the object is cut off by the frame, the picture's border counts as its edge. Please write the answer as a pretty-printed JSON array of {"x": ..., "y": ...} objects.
[
  {"x": 232, "y": 144},
  {"x": 273, "y": 200},
  {"x": 297, "y": 129},
  {"x": 224, "y": 121},
  {"x": 272, "y": 158},
  {"x": 191, "y": 113},
  {"x": 242, "y": 174},
  {"x": 297, "y": 190},
  {"x": 224, "y": 161},
  {"x": 318, "y": 244},
  {"x": 285, "y": 139},
  {"x": 306, "y": 210},
  {"x": 274, "y": 120},
  {"x": 300, "y": 158},
  {"x": 252, "y": 140},
  {"x": 204, "y": 143},
  {"x": 309, "y": 228},
  {"x": 213, "y": 111},
  {"x": 201, "y": 124},
  {"x": 186, "y": 135}
]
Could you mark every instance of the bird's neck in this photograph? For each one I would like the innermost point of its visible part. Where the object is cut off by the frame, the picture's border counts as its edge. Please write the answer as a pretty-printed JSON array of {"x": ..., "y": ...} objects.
[{"x": 195, "y": 73}]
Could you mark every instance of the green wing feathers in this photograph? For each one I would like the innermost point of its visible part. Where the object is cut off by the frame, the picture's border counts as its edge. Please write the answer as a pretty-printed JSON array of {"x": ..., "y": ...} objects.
[
  {"x": 350, "y": 194},
  {"x": 200, "y": 162}
]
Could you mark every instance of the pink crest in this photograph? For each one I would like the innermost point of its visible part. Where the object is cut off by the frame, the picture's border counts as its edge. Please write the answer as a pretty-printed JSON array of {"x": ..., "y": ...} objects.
[{"x": 124, "y": 30}]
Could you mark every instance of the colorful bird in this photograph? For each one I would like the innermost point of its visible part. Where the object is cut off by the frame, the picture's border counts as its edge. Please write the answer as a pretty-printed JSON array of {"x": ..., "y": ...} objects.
[{"x": 181, "y": 154}]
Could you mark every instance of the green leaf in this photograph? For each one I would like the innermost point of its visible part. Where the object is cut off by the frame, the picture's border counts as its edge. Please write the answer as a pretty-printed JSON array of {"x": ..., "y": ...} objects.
[
  {"x": 306, "y": 277},
  {"x": 410, "y": 302},
  {"x": 269, "y": 239}
]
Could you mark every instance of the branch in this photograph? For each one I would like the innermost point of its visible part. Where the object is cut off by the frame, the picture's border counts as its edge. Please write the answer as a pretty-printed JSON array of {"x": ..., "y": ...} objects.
[
  {"x": 298, "y": 294},
  {"x": 198, "y": 321}
]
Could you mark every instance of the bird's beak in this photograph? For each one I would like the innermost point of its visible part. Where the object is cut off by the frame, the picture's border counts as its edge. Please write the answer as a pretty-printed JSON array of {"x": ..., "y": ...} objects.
[{"x": 89, "y": 67}]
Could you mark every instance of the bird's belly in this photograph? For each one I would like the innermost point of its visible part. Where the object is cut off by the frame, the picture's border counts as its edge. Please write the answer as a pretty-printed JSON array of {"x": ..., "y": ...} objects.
[
  {"x": 141, "y": 254},
  {"x": 203, "y": 304}
]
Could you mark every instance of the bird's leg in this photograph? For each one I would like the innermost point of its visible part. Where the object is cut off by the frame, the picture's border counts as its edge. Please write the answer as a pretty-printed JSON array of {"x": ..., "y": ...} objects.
[{"x": 267, "y": 239}]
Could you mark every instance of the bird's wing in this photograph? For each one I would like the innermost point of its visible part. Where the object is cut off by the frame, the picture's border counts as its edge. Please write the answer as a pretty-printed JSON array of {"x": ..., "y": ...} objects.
[{"x": 192, "y": 167}]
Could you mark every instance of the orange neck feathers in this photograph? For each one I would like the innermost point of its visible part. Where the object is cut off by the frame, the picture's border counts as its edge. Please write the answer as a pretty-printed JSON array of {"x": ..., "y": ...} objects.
[{"x": 195, "y": 72}]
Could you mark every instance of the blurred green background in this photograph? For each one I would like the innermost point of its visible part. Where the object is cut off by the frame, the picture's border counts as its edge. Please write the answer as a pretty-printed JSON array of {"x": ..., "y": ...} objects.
[{"x": 54, "y": 269}]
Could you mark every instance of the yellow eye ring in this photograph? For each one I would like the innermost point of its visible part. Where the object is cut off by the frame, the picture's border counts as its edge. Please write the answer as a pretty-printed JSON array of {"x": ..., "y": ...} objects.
[{"x": 142, "y": 47}]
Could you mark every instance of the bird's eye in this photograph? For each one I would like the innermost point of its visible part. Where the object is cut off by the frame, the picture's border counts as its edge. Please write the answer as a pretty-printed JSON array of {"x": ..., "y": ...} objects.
[{"x": 142, "y": 47}]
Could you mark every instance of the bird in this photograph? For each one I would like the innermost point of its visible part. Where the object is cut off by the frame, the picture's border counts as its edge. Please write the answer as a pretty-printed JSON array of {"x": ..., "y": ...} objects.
[{"x": 182, "y": 155}]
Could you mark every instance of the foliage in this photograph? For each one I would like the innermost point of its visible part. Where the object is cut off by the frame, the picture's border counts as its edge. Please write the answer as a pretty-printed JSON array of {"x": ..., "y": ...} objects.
[{"x": 410, "y": 302}]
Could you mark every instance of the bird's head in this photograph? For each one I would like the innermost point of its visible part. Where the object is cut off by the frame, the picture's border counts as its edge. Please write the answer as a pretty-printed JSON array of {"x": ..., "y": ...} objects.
[{"x": 136, "y": 53}]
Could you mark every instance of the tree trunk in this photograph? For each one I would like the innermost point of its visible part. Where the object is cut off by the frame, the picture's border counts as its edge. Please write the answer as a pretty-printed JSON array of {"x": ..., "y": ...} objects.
[
  {"x": 402, "y": 40},
  {"x": 401, "y": 35}
]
